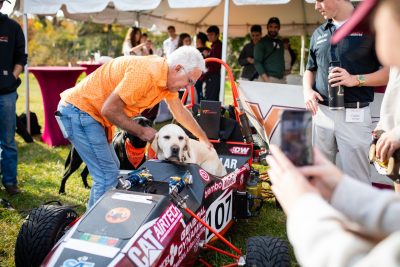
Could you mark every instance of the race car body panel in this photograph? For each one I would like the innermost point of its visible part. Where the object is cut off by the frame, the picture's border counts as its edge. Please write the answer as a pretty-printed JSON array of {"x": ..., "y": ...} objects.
[{"x": 146, "y": 227}]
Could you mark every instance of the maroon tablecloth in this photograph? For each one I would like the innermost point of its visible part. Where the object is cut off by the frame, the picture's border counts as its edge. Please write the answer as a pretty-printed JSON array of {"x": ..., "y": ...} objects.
[
  {"x": 90, "y": 66},
  {"x": 53, "y": 81},
  {"x": 380, "y": 89}
]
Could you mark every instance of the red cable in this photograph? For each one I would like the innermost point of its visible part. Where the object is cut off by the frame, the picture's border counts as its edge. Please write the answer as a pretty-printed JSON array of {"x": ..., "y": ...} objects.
[
  {"x": 229, "y": 244},
  {"x": 221, "y": 251}
]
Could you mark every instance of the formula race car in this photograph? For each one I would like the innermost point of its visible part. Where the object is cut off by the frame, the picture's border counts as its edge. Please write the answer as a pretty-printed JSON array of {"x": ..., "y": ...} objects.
[
  {"x": 165, "y": 215},
  {"x": 162, "y": 214}
]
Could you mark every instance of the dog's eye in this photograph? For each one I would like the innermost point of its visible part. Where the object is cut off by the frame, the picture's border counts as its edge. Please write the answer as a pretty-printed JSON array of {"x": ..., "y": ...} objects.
[
  {"x": 180, "y": 138},
  {"x": 167, "y": 137}
]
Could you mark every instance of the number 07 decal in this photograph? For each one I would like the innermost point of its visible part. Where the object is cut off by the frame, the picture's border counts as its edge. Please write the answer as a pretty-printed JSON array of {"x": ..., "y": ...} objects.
[{"x": 219, "y": 214}]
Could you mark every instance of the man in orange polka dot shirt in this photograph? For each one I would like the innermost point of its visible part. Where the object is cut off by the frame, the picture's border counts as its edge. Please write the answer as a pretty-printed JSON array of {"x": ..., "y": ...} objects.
[{"x": 117, "y": 91}]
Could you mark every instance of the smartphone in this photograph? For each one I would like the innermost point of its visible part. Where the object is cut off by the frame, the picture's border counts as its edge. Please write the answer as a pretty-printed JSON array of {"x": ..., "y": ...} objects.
[{"x": 296, "y": 140}]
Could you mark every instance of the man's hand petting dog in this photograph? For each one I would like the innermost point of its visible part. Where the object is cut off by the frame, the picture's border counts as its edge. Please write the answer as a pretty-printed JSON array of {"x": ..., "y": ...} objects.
[
  {"x": 172, "y": 143},
  {"x": 147, "y": 134},
  {"x": 207, "y": 143}
]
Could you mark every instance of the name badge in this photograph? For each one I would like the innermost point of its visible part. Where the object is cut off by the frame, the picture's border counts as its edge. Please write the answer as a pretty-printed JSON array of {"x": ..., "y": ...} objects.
[{"x": 354, "y": 115}]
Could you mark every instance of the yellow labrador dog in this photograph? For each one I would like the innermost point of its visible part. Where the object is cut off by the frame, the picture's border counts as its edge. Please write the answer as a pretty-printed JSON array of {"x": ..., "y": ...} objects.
[{"x": 172, "y": 143}]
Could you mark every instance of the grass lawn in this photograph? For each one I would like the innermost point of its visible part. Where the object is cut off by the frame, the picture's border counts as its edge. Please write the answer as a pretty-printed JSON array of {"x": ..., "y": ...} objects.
[{"x": 40, "y": 170}]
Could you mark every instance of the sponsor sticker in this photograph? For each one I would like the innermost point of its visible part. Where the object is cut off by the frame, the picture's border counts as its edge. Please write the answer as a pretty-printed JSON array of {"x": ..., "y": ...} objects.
[
  {"x": 132, "y": 198},
  {"x": 91, "y": 248},
  {"x": 212, "y": 189},
  {"x": 150, "y": 244},
  {"x": 104, "y": 240},
  {"x": 208, "y": 111},
  {"x": 219, "y": 214},
  {"x": 239, "y": 150},
  {"x": 229, "y": 163},
  {"x": 80, "y": 262},
  {"x": 204, "y": 175},
  {"x": 190, "y": 238},
  {"x": 118, "y": 215},
  {"x": 172, "y": 253}
]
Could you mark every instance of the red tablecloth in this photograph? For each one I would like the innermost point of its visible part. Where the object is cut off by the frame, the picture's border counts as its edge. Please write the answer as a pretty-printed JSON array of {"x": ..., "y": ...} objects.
[
  {"x": 380, "y": 89},
  {"x": 90, "y": 66},
  {"x": 53, "y": 81}
]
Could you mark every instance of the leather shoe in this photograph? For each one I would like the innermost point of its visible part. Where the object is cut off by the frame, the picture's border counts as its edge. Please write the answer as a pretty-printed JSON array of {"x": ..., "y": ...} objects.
[{"x": 12, "y": 189}]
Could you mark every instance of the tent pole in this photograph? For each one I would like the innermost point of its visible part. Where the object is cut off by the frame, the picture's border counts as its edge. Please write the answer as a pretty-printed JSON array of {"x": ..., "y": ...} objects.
[
  {"x": 302, "y": 54},
  {"x": 224, "y": 50},
  {"x": 26, "y": 73}
]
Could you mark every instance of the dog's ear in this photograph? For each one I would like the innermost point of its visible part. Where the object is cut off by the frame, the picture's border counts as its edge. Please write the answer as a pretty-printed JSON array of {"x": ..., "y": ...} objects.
[
  {"x": 154, "y": 144},
  {"x": 186, "y": 148}
]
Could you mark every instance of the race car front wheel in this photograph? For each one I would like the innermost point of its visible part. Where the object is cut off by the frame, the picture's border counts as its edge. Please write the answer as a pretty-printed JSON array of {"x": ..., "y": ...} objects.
[
  {"x": 42, "y": 228},
  {"x": 266, "y": 251}
]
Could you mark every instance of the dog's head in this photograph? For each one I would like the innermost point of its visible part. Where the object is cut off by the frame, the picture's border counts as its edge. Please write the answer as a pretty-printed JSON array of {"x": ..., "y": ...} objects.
[
  {"x": 171, "y": 143},
  {"x": 136, "y": 141}
]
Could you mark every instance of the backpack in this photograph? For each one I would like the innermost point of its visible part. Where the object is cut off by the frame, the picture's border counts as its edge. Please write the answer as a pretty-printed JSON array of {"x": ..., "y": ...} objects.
[
  {"x": 22, "y": 129},
  {"x": 35, "y": 127}
]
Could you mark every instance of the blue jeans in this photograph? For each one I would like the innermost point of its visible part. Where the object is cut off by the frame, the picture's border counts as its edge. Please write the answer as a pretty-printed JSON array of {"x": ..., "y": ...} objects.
[
  {"x": 89, "y": 138},
  {"x": 9, "y": 155}
]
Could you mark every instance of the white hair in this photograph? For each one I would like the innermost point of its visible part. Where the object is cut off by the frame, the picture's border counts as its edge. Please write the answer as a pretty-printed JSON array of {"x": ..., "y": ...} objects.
[{"x": 188, "y": 57}]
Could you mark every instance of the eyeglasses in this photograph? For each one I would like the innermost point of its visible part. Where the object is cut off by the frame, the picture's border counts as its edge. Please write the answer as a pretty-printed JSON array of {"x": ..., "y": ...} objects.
[{"x": 191, "y": 82}]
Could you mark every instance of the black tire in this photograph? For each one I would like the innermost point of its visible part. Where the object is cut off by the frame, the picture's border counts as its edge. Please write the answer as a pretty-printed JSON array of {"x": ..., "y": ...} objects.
[
  {"x": 42, "y": 228},
  {"x": 266, "y": 251}
]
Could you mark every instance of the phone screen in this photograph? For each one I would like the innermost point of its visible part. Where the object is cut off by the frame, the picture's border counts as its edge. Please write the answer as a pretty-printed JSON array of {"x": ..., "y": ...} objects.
[{"x": 296, "y": 133}]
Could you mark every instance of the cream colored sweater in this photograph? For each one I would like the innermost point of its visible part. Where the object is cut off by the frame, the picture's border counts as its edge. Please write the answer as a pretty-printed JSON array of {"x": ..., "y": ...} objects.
[
  {"x": 322, "y": 234},
  {"x": 390, "y": 109}
]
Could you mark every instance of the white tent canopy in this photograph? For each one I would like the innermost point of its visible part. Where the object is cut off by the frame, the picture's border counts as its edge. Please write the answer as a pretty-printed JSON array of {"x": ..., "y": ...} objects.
[{"x": 298, "y": 17}]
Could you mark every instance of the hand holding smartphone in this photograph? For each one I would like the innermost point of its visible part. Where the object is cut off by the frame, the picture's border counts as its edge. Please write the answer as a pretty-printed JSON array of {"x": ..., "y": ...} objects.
[{"x": 296, "y": 134}]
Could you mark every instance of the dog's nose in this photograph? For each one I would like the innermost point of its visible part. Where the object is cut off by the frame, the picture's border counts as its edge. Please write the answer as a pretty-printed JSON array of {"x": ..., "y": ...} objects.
[{"x": 175, "y": 151}]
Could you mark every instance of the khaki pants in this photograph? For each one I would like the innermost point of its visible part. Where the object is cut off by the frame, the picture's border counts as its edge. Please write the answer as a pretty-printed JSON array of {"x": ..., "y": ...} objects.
[
  {"x": 331, "y": 133},
  {"x": 272, "y": 79}
]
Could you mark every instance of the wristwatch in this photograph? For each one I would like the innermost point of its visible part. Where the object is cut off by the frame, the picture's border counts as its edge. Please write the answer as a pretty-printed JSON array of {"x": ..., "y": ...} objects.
[{"x": 360, "y": 79}]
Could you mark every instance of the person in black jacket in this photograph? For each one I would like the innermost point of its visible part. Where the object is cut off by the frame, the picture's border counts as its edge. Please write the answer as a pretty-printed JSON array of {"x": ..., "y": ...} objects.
[
  {"x": 246, "y": 57},
  {"x": 212, "y": 77},
  {"x": 13, "y": 60},
  {"x": 201, "y": 40}
]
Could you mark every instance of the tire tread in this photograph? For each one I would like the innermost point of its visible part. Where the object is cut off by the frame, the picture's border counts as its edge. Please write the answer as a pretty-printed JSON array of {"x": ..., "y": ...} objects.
[
  {"x": 265, "y": 251},
  {"x": 39, "y": 233}
]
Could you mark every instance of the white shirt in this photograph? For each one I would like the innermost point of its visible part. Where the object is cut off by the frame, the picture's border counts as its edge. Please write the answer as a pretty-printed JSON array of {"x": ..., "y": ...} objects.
[
  {"x": 170, "y": 45},
  {"x": 126, "y": 48},
  {"x": 390, "y": 108}
]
